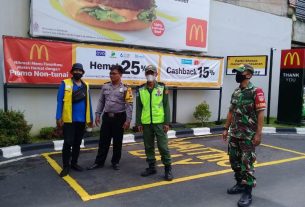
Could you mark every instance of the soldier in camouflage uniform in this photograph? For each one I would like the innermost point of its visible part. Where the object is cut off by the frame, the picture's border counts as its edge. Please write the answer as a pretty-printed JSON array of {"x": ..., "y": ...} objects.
[{"x": 245, "y": 121}]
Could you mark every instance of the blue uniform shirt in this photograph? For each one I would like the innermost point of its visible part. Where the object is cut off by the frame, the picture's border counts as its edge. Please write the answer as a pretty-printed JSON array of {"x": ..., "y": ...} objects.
[{"x": 78, "y": 109}]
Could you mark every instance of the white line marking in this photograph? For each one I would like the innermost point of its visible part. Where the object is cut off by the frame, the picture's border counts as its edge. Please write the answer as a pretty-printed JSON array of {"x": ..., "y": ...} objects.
[{"x": 17, "y": 159}]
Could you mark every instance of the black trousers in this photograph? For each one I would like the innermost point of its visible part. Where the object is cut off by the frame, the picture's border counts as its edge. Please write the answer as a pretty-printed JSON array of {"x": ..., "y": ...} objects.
[
  {"x": 112, "y": 127},
  {"x": 73, "y": 135}
]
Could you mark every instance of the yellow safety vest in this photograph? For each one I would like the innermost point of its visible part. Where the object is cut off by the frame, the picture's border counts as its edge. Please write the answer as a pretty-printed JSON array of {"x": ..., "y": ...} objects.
[{"x": 67, "y": 106}]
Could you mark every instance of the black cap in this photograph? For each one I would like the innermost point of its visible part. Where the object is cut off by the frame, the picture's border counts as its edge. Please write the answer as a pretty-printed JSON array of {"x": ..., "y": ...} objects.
[{"x": 78, "y": 66}]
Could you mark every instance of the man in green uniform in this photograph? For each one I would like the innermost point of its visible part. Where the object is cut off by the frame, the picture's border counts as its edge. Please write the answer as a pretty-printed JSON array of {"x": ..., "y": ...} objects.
[
  {"x": 245, "y": 121},
  {"x": 152, "y": 117}
]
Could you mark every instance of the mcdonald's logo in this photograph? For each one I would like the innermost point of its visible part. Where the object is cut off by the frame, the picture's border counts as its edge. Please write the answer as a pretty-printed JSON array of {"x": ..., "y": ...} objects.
[
  {"x": 38, "y": 51},
  {"x": 292, "y": 57},
  {"x": 196, "y": 32}
]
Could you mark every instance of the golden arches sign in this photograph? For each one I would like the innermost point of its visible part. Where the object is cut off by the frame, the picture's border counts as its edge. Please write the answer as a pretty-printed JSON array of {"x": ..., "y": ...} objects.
[
  {"x": 39, "y": 50},
  {"x": 291, "y": 57},
  {"x": 198, "y": 31}
]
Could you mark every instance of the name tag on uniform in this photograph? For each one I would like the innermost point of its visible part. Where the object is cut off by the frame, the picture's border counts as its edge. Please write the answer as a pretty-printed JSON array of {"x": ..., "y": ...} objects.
[{"x": 121, "y": 90}]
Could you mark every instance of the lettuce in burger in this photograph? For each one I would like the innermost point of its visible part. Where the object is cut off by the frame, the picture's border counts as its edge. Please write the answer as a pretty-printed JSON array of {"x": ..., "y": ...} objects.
[{"x": 126, "y": 15}]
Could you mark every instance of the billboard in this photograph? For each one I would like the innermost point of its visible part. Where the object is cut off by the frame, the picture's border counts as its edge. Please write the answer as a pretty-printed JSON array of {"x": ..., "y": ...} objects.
[
  {"x": 34, "y": 61},
  {"x": 173, "y": 24}
]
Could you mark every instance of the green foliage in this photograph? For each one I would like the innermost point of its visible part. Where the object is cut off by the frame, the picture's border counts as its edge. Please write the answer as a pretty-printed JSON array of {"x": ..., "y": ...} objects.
[
  {"x": 202, "y": 113},
  {"x": 50, "y": 133},
  {"x": 13, "y": 128}
]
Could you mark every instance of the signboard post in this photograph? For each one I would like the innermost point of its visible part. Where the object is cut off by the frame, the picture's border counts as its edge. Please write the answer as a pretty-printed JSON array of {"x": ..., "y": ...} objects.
[{"x": 290, "y": 101}]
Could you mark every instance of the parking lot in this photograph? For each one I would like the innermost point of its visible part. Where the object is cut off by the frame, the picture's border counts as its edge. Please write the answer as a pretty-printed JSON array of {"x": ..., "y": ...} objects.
[{"x": 200, "y": 165}]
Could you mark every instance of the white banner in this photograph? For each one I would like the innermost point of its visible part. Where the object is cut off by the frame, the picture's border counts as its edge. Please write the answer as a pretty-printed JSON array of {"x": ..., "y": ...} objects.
[
  {"x": 191, "y": 71},
  {"x": 176, "y": 24},
  {"x": 97, "y": 61}
]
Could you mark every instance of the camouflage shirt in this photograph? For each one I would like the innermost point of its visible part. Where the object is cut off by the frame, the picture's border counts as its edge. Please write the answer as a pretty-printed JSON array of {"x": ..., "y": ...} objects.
[{"x": 244, "y": 105}]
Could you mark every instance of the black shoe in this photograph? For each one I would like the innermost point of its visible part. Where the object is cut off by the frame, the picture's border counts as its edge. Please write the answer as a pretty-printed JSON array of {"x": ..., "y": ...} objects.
[
  {"x": 116, "y": 166},
  {"x": 246, "y": 197},
  {"x": 95, "y": 166},
  {"x": 64, "y": 172},
  {"x": 168, "y": 176},
  {"x": 236, "y": 189},
  {"x": 148, "y": 172},
  {"x": 76, "y": 167}
]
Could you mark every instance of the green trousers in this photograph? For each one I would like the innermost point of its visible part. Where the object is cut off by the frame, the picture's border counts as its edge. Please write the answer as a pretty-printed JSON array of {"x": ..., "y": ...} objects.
[
  {"x": 242, "y": 157},
  {"x": 150, "y": 131}
]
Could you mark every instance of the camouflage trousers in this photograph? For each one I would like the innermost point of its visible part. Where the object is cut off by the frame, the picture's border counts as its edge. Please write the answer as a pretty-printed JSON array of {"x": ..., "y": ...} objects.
[{"x": 242, "y": 156}]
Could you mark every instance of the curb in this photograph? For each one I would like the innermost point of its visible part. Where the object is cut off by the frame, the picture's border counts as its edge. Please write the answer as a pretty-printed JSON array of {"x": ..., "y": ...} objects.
[{"x": 19, "y": 150}]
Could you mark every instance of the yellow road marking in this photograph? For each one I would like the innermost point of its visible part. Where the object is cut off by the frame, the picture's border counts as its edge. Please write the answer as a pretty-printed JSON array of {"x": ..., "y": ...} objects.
[
  {"x": 283, "y": 149},
  {"x": 72, "y": 182},
  {"x": 276, "y": 162},
  {"x": 161, "y": 183},
  {"x": 86, "y": 197}
]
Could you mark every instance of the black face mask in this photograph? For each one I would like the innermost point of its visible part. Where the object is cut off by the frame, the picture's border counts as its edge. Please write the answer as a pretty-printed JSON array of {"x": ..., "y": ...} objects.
[
  {"x": 77, "y": 76},
  {"x": 240, "y": 78}
]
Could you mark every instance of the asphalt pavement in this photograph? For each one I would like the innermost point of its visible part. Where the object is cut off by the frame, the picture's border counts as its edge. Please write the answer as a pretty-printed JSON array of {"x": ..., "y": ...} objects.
[{"x": 200, "y": 166}]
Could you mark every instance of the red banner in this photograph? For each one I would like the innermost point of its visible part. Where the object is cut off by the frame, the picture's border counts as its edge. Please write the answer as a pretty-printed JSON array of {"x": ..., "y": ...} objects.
[
  {"x": 293, "y": 59},
  {"x": 29, "y": 61}
]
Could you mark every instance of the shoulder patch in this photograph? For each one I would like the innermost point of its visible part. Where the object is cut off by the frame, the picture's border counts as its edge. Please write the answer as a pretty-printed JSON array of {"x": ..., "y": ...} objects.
[{"x": 260, "y": 102}]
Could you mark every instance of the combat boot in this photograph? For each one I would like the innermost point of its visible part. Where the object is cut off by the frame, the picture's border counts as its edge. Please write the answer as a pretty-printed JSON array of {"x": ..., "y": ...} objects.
[
  {"x": 236, "y": 189},
  {"x": 246, "y": 197},
  {"x": 150, "y": 170},
  {"x": 168, "y": 176}
]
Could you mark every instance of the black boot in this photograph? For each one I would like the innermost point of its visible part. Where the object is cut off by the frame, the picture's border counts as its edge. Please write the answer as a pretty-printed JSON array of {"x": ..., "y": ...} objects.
[
  {"x": 150, "y": 170},
  {"x": 76, "y": 167},
  {"x": 168, "y": 173},
  {"x": 64, "y": 172},
  {"x": 246, "y": 197},
  {"x": 236, "y": 189}
]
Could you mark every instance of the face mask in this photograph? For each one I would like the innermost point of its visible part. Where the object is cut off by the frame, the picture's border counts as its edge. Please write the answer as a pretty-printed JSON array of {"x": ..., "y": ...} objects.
[
  {"x": 150, "y": 78},
  {"x": 77, "y": 76},
  {"x": 240, "y": 78}
]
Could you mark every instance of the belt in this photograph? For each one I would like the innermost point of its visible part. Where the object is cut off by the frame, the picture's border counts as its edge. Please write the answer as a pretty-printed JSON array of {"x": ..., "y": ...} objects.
[{"x": 111, "y": 114}]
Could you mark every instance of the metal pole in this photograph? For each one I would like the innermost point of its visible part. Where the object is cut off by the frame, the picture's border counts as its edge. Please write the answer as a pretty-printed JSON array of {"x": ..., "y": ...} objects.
[
  {"x": 5, "y": 98},
  {"x": 219, "y": 105},
  {"x": 270, "y": 83},
  {"x": 174, "y": 115}
]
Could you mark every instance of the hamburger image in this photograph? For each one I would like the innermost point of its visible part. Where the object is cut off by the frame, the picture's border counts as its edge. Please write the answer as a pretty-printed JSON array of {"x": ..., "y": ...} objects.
[{"x": 125, "y": 15}]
